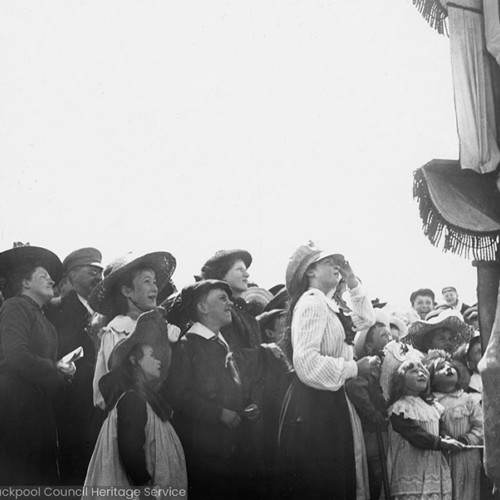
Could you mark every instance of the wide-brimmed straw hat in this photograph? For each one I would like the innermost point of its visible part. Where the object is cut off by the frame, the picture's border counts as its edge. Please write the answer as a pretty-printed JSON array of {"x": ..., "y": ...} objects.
[
  {"x": 399, "y": 324},
  {"x": 300, "y": 260},
  {"x": 257, "y": 294},
  {"x": 219, "y": 264},
  {"x": 448, "y": 318},
  {"x": 162, "y": 263},
  {"x": 279, "y": 301},
  {"x": 12, "y": 259},
  {"x": 470, "y": 314},
  {"x": 151, "y": 329}
]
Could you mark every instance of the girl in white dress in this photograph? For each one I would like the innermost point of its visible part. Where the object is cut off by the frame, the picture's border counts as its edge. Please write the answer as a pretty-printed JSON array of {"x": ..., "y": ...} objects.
[
  {"x": 137, "y": 445},
  {"x": 462, "y": 420},
  {"x": 417, "y": 469}
]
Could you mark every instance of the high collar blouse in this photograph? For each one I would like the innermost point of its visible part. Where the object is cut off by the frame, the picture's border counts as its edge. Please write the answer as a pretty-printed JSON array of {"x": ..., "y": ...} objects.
[{"x": 321, "y": 357}]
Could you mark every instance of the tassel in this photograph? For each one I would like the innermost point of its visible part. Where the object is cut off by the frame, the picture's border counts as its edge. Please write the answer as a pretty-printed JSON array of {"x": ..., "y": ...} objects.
[
  {"x": 465, "y": 243},
  {"x": 434, "y": 13}
]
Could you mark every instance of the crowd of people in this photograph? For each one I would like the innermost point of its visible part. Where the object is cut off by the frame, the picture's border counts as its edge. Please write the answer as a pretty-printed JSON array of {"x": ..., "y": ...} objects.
[{"x": 111, "y": 377}]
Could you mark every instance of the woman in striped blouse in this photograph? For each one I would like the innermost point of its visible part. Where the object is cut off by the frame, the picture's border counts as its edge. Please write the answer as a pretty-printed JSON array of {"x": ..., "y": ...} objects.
[{"x": 322, "y": 455}]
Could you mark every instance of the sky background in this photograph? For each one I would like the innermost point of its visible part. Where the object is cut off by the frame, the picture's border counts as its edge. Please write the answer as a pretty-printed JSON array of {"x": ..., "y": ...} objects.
[{"x": 190, "y": 126}]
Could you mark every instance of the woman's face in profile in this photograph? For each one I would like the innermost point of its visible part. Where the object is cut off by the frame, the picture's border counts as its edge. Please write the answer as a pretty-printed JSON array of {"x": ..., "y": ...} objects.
[
  {"x": 40, "y": 284},
  {"x": 327, "y": 271},
  {"x": 149, "y": 365}
]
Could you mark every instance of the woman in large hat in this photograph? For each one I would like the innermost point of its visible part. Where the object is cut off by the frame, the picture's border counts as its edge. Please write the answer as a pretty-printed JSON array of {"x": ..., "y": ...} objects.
[
  {"x": 30, "y": 375},
  {"x": 130, "y": 287},
  {"x": 137, "y": 445},
  {"x": 232, "y": 266},
  {"x": 321, "y": 442},
  {"x": 440, "y": 330}
]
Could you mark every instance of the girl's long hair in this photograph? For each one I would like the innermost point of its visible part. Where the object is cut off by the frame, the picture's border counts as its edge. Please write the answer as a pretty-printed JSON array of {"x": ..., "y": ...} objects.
[
  {"x": 398, "y": 382},
  {"x": 287, "y": 339},
  {"x": 129, "y": 377},
  {"x": 118, "y": 302}
]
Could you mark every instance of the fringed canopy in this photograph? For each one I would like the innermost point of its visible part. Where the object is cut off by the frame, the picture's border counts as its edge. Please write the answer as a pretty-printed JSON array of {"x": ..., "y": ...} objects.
[
  {"x": 434, "y": 13},
  {"x": 460, "y": 209}
]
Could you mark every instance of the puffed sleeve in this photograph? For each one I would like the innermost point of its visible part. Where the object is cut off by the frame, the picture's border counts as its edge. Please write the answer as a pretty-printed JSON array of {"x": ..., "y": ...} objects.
[
  {"x": 475, "y": 435},
  {"x": 131, "y": 423},
  {"x": 16, "y": 330},
  {"x": 109, "y": 338},
  {"x": 363, "y": 315},
  {"x": 312, "y": 368}
]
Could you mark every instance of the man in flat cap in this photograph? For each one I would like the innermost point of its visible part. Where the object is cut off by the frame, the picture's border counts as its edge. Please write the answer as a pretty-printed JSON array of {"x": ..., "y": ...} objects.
[
  {"x": 72, "y": 319},
  {"x": 451, "y": 299}
]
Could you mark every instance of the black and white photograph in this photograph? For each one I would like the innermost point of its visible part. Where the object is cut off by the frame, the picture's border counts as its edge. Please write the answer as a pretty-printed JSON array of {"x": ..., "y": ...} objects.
[{"x": 250, "y": 249}]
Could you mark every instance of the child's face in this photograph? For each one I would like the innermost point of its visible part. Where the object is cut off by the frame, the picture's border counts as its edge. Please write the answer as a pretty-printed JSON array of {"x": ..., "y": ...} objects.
[
  {"x": 149, "y": 365},
  {"x": 474, "y": 356},
  {"x": 277, "y": 332},
  {"x": 380, "y": 338},
  {"x": 423, "y": 305},
  {"x": 415, "y": 380},
  {"x": 441, "y": 338},
  {"x": 445, "y": 377}
]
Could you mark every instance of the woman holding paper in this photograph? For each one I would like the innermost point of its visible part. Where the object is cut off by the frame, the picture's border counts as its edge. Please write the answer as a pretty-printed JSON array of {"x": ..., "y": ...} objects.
[{"x": 30, "y": 375}]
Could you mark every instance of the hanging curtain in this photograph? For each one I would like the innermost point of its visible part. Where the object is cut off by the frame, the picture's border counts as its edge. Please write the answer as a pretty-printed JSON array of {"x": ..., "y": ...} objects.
[
  {"x": 472, "y": 77},
  {"x": 492, "y": 27}
]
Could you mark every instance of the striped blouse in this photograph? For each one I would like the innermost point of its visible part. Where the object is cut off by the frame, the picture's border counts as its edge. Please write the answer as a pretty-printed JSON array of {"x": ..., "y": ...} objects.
[{"x": 321, "y": 357}]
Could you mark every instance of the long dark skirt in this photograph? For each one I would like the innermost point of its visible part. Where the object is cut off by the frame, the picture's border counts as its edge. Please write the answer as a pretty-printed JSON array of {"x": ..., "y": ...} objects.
[
  {"x": 28, "y": 438},
  {"x": 316, "y": 445}
]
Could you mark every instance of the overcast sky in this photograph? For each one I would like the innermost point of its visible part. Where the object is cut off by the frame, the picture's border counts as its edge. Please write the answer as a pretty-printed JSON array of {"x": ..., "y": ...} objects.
[{"x": 192, "y": 125}]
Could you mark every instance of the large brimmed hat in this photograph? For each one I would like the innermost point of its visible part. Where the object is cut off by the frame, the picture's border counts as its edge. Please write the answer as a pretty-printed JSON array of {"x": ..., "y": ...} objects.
[
  {"x": 301, "y": 259},
  {"x": 151, "y": 329},
  {"x": 257, "y": 294},
  {"x": 219, "y": 264},
  {"x": 12, "y": 259},
  {"x": 279, "y": 301},
  {"x": 448, "y": 318},
  {"x": 267, "y": 317},
  {"x": 399, "y": 323},
  {"x": 162, "y": 263}
]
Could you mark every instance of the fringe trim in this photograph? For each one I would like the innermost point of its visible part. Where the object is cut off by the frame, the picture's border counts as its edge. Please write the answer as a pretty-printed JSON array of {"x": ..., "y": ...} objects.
[
  {"x": 469, "y": 244},
  {"x": 434, "y": 13}
]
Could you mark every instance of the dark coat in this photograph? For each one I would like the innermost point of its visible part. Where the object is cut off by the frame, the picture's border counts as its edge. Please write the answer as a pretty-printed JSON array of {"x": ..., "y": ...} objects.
[
  {"x": 29, "y": 379},
  {"x": 199, "y": 387},
  {"x": 244, "y": 330},
  {"x": 75, "y": 407}
]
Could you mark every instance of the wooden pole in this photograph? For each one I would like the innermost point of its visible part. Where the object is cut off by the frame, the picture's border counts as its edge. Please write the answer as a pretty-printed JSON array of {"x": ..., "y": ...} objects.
[{"x": 488, "y": 279}]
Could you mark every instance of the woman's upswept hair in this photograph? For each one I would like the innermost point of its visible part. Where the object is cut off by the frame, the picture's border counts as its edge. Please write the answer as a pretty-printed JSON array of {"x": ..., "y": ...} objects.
[
  {"x": 14, "y": 285},
  {"x": 398, "y": 382},
  {"x": 129, "y": 376}
]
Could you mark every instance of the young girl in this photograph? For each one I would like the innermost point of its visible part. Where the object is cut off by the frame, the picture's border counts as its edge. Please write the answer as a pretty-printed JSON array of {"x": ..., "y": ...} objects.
[
  {"x": 474, "y": 354},
  {"x": 137, "y": 445},
  {"x": 462, "y": 420},
  {"x": 416, "y": 466}
]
